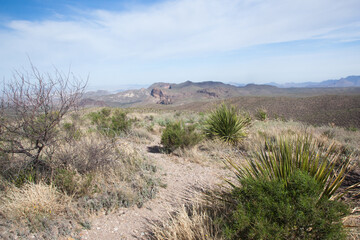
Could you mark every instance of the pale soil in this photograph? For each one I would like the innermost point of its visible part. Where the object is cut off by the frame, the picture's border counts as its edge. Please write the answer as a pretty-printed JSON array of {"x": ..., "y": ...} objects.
[{"x": 184, "y": 180}]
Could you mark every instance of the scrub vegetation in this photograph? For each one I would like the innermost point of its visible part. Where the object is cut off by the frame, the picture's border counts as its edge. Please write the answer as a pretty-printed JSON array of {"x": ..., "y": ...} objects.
[{"x": 60, "y": 165}]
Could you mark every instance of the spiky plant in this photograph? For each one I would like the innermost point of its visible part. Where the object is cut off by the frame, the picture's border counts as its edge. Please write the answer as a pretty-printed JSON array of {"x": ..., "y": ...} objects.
[
  {"x": 281, "y": 157},
  {"x": 226, "y": 124}
]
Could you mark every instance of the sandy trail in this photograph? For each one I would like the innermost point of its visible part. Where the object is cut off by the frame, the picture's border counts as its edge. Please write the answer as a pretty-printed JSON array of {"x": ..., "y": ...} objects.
[{"x": 181, "y": 178}]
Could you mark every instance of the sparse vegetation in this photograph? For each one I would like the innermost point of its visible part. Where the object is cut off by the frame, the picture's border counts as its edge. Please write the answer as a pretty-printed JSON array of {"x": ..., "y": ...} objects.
[{"x": 100, "y": 162}]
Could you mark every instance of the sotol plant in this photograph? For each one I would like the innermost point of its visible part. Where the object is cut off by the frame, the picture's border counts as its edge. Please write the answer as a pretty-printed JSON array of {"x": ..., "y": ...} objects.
[{"x": 226, "y": 124}]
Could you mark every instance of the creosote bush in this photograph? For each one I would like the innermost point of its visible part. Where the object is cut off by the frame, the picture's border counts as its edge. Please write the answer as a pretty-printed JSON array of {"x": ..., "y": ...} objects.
[
  {"x": 264, "y": 209},
  {"x": 226, "y": 124},
  {"x": 179, "y": 135}
]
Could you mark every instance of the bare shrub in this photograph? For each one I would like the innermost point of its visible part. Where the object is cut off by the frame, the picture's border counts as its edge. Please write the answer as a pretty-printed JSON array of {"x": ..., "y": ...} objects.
[
  {"x": 31, "y": 107},
  {"x": 87, "y": 154}
]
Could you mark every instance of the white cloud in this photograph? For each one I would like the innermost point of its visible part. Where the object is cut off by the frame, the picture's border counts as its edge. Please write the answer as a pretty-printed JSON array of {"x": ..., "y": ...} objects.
[{"x": 102, "y": 39}]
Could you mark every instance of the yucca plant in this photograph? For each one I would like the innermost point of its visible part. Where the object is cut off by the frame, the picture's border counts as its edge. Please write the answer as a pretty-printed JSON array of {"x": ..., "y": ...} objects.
[
  {"x": 226, "y": 124},
  {"x": 281, "y": 157}
]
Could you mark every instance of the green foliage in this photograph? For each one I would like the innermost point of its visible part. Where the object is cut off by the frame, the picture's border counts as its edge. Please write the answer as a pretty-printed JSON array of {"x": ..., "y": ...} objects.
[
  {"x": 265, "y": 209},
  {"x": 352, "y": 129},
  {"x": 163, "y": 122},
  {"x": 261, "y": 114},
  {"x": 25, "y": 175},
  {"x": 65, "y": 181},
  {"x": 281, "y": 157},
  {"x": 178, "y": 135},
  {"x": 226, "y": 124},
  {"x": 71, "y": 183},
  {"x": 111, "y": 125}
]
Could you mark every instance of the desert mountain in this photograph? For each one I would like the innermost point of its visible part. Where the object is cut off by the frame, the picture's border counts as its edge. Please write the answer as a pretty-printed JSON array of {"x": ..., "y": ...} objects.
[
  {"x": 350, "y": 81},
  {"x": 189, "y": 92}
]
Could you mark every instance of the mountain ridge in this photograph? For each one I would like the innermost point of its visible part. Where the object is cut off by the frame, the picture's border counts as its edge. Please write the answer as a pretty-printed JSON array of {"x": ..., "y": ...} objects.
[
  {"x": 177, "y": 94},
  {"x": 349, "y": 81}
]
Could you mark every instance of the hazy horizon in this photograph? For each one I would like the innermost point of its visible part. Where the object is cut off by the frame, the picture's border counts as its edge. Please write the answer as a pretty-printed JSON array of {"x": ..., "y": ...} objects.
[{"x": 141, "y": 42}]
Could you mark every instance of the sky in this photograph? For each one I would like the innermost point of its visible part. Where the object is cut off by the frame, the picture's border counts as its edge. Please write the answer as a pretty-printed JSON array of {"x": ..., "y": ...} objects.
[{"x": 139, "y": 42}]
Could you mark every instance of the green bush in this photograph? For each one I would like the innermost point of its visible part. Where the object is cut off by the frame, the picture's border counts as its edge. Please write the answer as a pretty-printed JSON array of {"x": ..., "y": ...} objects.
[
  {"x": 72, "y": 183},
  {"x": 265, "y": 209},
  {"x": 280, "y": 157},
  {"x": 178, "y": 135},
  {"x": 226, "y": 124},
  {"x": 111, "y": 125}
]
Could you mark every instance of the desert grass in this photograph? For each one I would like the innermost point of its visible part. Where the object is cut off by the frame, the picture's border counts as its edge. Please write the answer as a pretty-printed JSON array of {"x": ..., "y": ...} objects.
[
  {"x": 105, "y": 174},
  {"x": 85, "y": 174},
  {"x": 190, "y": 221},
  {"x": 33, "y": 201},
  {"x": 344, "y": 138}
]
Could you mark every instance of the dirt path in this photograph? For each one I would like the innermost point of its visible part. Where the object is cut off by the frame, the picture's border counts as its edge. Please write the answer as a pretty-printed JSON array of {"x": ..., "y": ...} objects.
[{"x": 181, "y": 178}]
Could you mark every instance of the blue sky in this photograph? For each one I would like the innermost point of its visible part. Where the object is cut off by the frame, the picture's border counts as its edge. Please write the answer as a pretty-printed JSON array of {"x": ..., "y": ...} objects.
[{"x": 140, "y": 42}]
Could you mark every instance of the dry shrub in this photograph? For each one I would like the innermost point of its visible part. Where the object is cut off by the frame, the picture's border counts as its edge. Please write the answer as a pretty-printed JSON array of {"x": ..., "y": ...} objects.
[
  {"x": 32, "y": 201},
  {"x": 192, "y": 221},
  {"x": 88, "y": 154}
]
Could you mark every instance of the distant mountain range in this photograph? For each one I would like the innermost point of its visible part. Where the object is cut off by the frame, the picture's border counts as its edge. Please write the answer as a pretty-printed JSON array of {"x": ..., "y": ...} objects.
[
  {"x": 350, "y": 81},
  {"x": 191, "y": 92}
]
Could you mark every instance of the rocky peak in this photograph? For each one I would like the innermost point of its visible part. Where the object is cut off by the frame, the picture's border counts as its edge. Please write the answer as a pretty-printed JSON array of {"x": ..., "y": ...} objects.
[
  {"x": 157, "y": 93},
  {"x": 163, "y": 99}
]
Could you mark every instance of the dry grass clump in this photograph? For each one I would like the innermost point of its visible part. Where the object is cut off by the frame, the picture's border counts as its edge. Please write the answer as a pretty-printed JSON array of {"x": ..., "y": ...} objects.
[
  {"x": 194, "y": 155},
  {"x": 141, "y": 135},
  {"x": 217, "y": 150},
  {"x": 33, "y": 201},
  {"x": 191, "y": 221}
]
